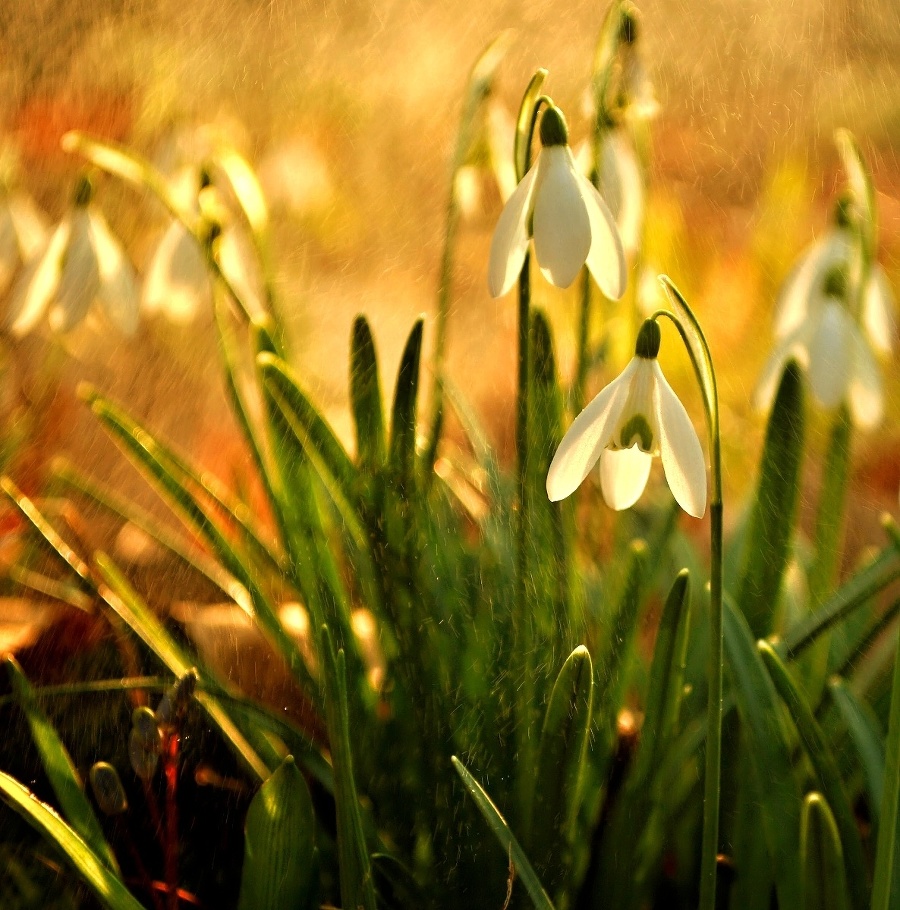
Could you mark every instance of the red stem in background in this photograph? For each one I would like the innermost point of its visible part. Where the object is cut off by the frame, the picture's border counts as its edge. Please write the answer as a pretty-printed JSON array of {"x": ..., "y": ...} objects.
[{"x": 170, "y": 758}]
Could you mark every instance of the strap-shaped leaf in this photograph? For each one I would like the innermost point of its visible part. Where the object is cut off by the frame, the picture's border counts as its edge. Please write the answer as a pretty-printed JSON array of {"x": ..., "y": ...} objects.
[
  {"x": 354, "y": 866},
  {"x": 771, "y": 524},
  {"x": 824, "y": 878},
  {"x": 857, "y": 592},
  {"x": 365, "y": 397},
  {"x": 867, "y": 739},
  {"x": 768, "y": 753},
  {"x": 884, "y": 883},
  {"x": 60, "y": 769},
  {"x": 403, "y": 416},
  {"x": 280, "y": 869},
  {"x": 819, "y": 752},
  {"x": 507, "y": 839},
  {"x": 106, "y": 885},
  {"x": 560, "y": 767}
]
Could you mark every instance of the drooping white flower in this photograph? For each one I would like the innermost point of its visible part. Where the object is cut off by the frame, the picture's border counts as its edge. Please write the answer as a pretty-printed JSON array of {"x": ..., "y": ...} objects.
[
  {"x": 838, "y": 358},
  {"x": 177, "y": 282},
  {"x": 567, "y": 217},
  {"x": 23, "y": 232},
  {"x": 804, "y": 290},
  {"x": 634, "y": 418},
  {"x": 81, "y": 262}
]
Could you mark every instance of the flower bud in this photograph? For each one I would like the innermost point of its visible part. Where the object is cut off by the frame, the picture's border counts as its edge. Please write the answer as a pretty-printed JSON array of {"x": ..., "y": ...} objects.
[
  {"x": 108, "y": 789},
  {"x": 144, "y": 743}
]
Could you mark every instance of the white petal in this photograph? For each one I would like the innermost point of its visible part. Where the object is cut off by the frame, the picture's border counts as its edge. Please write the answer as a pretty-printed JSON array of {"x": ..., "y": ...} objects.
[
  {"x": 831, "y": 354},
  {"x": 680, "y": 449},
  {"x": 606, "y": 259},
  {"x": 622, "y": 187},
  {"x": 878, "y": 312},
  {"x": 562, "y": 228},
  {"x": 79, "y": 280},
  {"x": 511, "y": 235},
  {"x": 30, "y": 224},
  {"x": 177, "y": 282},
  {"x": 501, "y": 131},
  {"x": 9, "y": 249},
  {"x": 38, "y": 284},
  {"x": 802, "y": 288},
  {"x": 623, "y": 476},
  {"x": 793, "y": 346},
  {"x": 118, "y": 289},
  {"x": 865, "y": 395},
  {"x": 588, "y": 436},
  {"x": 239, "y": 265}
]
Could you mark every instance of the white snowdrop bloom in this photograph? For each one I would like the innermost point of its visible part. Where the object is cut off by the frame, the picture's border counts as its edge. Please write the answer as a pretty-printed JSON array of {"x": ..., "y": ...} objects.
[
  {"x": 80, "y": 263},
  {"x": 567, "y": 217},
  {"x": 634, "y": 418},
  {"x": 176, "y": 283},
  {"x": 622, "y": 186},
  {"x": 23, "y": 232},
  {"x": 803, "y": 290},
  {"x": 839, "y": 360}
]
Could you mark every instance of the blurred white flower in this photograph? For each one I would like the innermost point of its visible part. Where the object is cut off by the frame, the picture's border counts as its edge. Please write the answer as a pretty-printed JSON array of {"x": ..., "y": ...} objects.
[
  {"x": 23, "y": 232},
  {"x": 567, "y": 217},
  {"x": 80, "y": 263},
  {"x": 634, "y": 418},
  {"x": 621, "y": 183},
  {"x": 177, "y": 282},
  {"x": 838, "y": 358},
  {"x": 804, "y": 290}
]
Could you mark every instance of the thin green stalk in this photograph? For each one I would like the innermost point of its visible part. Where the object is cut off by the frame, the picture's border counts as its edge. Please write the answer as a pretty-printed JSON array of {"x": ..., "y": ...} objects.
[
  {"x": 887, "y": 828},
  {"x": 581, "y": 357},
  {"x": 701, "y": 359}
]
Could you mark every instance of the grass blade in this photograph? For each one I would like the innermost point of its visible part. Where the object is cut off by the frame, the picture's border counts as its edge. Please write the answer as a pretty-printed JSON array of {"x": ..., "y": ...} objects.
[
  {"x": 507, "y": 839},
  {"x": 886, "y": 852},
  {"x": 769, "y": 754},
  {"x": 106, "y": 885},
  {"x": 357, "y": 888},
  {"x": 403, "y": 416},
  {"x": 824, "y": 878},
  {"x": 280, "y": 869},
  {"x": 60, "y": 770},
  {"x": 826, "y": 770},
  {"x": 771, "y": 523},
  {"x": 365, "y": 398}
]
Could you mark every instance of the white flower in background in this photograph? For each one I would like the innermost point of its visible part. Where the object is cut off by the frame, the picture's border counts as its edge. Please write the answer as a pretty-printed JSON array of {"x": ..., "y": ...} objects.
[
  {"x": 567, "y": 217},
  {"x": 80, "y": 263},
  {"x": 803, "y": 291},
  {"x": 634, "y": 418},
  {"x": 178, "y": 282},
  {"x": 829, "y": 345},
  {"x": 23, "y": 232}
]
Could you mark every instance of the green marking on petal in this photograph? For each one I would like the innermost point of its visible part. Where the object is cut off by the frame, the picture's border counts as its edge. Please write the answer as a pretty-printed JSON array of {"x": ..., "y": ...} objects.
[
  {"x": 835, "y": 284},
  {"x": 637, "y": 427}
]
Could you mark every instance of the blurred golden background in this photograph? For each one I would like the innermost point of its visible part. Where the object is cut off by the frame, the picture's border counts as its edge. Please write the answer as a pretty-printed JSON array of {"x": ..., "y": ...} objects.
[{"x": 349, "y": 110}]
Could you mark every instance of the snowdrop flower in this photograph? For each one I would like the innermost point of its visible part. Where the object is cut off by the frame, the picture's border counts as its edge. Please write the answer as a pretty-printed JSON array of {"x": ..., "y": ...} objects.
[
  {"x": 634, "y": 418},
  {"x": 567, "y": 217},
  {"x": 803, "y": 291},
  {"x": 828, "y": 343},
  {"x": 80, "y": 263},
  {"x": 177, "y": 283},
  {"x": 23, "y": 232}
]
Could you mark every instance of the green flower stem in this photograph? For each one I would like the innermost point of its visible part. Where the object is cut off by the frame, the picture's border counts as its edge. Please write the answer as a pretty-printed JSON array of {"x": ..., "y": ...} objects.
[
  {"x": 887, "y": 829},
  {"x": 584, "y": 329},
  {"x": 524, "y": 630},
  {"x": 698, "y": 350}
]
